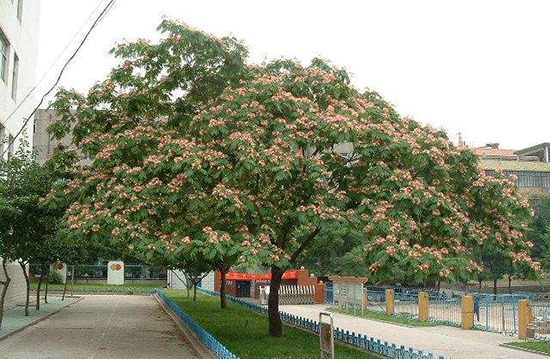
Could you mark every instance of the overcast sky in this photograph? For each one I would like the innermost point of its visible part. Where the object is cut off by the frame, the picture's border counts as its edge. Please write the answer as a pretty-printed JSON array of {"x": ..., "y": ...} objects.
[{"x": 480, "y": 68}]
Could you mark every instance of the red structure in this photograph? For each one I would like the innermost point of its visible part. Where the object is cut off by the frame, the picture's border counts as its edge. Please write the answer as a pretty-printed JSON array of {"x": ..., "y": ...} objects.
[{"x": 248, "y": 285}]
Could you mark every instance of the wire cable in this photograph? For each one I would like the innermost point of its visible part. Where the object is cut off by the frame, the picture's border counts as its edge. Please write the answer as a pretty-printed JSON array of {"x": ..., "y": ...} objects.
[
  {"x": 97, "y": 21},
  {"x": 3, "y": 123}
]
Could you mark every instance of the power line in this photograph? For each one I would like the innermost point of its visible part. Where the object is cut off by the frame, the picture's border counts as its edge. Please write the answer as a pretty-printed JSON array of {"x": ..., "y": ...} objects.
[
  {"x": 98, "y": 19},
  {"x": 52, "y": 65}
]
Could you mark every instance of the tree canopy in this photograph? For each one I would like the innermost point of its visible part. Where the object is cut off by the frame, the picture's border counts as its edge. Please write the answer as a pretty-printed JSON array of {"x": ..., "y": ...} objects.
[{"x": 189, "y": 146}]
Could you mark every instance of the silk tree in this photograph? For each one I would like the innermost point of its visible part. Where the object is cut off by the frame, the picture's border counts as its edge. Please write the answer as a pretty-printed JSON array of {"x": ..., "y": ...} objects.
[{"x": 191, "y": 147}]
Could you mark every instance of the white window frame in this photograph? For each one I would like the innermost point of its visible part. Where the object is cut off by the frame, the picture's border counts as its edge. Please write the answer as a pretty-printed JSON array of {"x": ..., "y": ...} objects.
[
  {"x": 15, "y": 77},
  {"x": 5, "y": 57}
]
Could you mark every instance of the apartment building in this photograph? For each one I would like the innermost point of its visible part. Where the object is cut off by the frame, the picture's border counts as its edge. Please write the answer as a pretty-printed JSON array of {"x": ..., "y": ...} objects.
[
  {"x": 19, "y": 21},
  {"x": 531, "y": 166}
]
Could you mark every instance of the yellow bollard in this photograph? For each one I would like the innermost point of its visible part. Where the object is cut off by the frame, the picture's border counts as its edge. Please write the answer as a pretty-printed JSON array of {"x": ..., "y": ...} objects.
[
  {"x": 423, "y": 307},
  {"x": 364, "y": 303},
  {"x": 525, "y": 317},
  {"x": 390, "y": 305},
  {"x": 467, "y": 312}
]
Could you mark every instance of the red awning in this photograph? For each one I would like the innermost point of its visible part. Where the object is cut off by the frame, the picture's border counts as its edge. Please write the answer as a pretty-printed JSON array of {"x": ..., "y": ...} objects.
[{"x": 293, "y": 274}]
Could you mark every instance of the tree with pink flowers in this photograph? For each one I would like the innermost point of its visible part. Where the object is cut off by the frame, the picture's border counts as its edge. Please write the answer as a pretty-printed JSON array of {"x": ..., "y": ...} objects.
[{"x": 190, "y": 146}]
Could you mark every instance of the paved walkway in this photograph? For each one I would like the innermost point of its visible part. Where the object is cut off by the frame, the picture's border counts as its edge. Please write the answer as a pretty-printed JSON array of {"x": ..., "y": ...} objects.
[
  {"x": 101, "y": 327},
  {"x": 440, "y": 340},
  {"x": 15, "y": 319}
]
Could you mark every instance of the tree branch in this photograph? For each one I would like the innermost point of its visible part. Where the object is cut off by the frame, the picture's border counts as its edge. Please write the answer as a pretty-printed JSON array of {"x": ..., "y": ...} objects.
[{"x": 304, "y": 244}]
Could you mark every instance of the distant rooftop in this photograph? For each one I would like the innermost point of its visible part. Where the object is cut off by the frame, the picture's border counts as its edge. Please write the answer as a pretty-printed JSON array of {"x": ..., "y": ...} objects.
[{"x": 538, "y": 153}]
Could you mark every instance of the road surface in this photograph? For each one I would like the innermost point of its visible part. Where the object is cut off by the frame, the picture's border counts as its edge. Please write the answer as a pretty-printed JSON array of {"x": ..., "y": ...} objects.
[{"x": 101, "y": 327}]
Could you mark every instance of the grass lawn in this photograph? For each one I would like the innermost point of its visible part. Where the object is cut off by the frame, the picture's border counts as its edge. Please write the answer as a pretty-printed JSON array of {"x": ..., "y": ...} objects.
[
  {"x": 543, "y": 347},
  {"x": 97, "y": 288},
  {"x": 244, "y": 332},
  {"x": 397, "y": 319}
]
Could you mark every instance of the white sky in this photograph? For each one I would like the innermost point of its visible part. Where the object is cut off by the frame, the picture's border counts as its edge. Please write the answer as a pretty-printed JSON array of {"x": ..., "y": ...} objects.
[{"x": 481, "y": 68}]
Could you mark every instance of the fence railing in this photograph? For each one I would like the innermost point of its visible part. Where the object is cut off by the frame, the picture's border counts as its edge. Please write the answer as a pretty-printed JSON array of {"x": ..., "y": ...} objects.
[
  {"x": 540, "y": 326},
  {"x": 206, "y": 338},
  {"x": 497, "y": 313},
  {"x": 359, "y": 341},
  {"x": 493, "y": 313},
  {"x": 99, "y": 271},
  {"x": 406, "y": 304},
  {"x": 296, "y": 294},
  {"x": 446, "y": 311}
]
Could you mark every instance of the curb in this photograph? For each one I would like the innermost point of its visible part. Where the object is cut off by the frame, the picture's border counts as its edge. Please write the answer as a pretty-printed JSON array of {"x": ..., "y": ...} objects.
[
  {"x": 202, "y": 350},
  {"x": 38, "y": 320},
  {"x": 505, "y": 345},
  {"x": 382, "y": 321}
]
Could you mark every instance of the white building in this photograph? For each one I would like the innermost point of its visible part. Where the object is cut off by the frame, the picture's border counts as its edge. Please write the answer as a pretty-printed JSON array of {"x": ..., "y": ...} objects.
[{"x": 19, "y": 21}]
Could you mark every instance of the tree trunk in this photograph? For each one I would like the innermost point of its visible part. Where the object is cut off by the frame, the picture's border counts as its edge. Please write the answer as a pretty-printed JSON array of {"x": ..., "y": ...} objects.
[
  {"x": 223, "y": 303},
  {"x": 480, "y": 283},
  {"x": 72, "y": 282},
  {"x": 275, "y": 324},
  {"x": 40, "y": 279},
  {"x": 28, "y": 294},
  {"x": 495, "y": 286},
  {"x": 510, "y": 284},
  {"x": 194, "y": 292},
  {"x": 64, "y": 289},
  {"x": 47, "y": 283},
  {"x": 5, "y": 285}
]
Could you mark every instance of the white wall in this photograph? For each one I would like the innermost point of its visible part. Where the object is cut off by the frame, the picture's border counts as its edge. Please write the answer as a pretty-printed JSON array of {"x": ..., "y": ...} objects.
[
  {"x": 17, "y": 289},
  {"x": 176, "y": 278},
  {"x": 23, "y": 39}
]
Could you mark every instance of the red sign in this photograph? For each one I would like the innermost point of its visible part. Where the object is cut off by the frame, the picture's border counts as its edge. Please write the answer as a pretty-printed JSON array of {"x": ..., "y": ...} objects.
[{"x": 293, "y": 274}]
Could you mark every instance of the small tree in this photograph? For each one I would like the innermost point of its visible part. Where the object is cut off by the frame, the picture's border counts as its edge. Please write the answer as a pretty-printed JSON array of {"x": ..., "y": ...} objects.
[
  {"x": 27, "y": 226},
  {"x": 4, "y": 257}
]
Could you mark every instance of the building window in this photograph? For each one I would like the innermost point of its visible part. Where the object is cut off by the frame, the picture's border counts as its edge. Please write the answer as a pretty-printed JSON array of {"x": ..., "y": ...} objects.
[
  {"x": 531, "y": 179},
  {"x": 4, "y": 56},
  {"x": 15, "y": 77}
]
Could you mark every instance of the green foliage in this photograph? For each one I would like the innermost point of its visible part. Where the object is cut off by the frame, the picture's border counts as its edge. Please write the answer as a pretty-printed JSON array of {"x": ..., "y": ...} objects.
[
  {"x": 337, "y": 251},
  {"x": 28, "y": 227},
  {"x": 540, "y": 346},
  {"x": 244, "y": 332},
  {"x": 55, "y": 277},
  {"x": 539, "y": 232}
]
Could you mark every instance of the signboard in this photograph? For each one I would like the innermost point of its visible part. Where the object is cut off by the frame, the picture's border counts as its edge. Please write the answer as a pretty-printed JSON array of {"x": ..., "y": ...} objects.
[
  {"x": 293, "y": 274},
  {"x": 326, "y": 337}
]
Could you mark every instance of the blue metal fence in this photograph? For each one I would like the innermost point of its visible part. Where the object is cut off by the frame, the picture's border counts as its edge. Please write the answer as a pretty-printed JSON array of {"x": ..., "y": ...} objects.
[
  {"x": 360, "y": 341},
  {"x": 218, "y": 348},
  {"x": 329, "y": 290}
]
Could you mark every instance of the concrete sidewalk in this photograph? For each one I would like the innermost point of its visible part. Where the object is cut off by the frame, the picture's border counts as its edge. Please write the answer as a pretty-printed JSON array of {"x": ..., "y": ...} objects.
[
  {"x": 440, "y": 340},
  {"x": 101, "y": 327},
  {"x": 15, "y": 319}
]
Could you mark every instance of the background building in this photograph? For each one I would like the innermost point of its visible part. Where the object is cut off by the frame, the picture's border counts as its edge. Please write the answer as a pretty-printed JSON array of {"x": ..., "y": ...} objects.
[
  {"x": 530, "y": 165},
  {"x": 43, "y": 143},
  {"x": 19, "y": 21}
]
